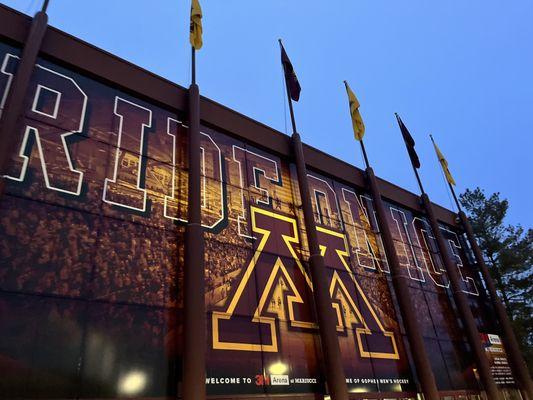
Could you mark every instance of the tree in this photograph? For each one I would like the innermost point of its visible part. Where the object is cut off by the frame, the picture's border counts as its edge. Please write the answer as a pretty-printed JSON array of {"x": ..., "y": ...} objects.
[{"x": 508, "y": 252}]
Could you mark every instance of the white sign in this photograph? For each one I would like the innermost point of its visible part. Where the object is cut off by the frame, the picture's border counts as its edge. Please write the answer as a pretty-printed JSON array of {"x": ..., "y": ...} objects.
[{"x": 279, "y": 380}]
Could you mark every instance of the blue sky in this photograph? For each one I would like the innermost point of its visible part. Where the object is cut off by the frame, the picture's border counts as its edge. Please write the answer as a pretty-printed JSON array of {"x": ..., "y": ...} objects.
[{"x": 461, "y": 70}]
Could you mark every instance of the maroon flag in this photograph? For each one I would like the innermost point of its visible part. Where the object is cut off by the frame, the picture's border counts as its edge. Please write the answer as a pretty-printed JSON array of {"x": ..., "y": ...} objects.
[
  {"x": 290, "y": 76},
  {"x": 409, "y": 142}
]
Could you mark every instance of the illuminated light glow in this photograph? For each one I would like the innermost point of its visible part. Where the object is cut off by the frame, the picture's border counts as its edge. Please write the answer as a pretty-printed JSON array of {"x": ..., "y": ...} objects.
[
  {"x": 132, "y": 383},
  {"x": 397, "y": 388},
  {"x": 358, "y": 390},
  {"x": 278, "y": 368}
]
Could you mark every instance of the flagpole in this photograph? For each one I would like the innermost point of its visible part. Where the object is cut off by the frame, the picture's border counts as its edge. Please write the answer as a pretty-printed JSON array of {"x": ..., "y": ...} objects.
[
  {"x": 367, "y": 164},
  {"x": 12, "y": 115},
  {"x": 193, "y": 65},
  {"x": 455, "y": 197},
  {"x": 334, "y": 371},
  {"x": 418, "y": 180},
  {"x": 194, "y": 323},
  {"x": 463, "y": 305},
  {"x": 400, "y": 284},
  {"x": 401, "y": 288},
  {"x": 518, "y": 363},
  {"x": 461, "y": 301}
]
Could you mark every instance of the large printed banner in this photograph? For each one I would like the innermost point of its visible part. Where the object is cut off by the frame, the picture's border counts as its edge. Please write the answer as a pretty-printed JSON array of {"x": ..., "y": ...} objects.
[{"x": 91, "y": 260}]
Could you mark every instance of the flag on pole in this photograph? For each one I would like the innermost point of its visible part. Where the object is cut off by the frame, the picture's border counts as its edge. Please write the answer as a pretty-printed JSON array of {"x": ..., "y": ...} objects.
[
  {"x": 443, "y": 163},
  {"x": 290, "y": 76},
  {"x": 195, "y": 34},
  {"x": 409, "y": 142},
  {"x": 357, "y": 121}
]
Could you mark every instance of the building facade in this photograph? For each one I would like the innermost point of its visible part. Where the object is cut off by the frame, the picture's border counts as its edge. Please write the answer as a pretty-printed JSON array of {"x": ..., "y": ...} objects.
[{"x": 91, "y": 250}]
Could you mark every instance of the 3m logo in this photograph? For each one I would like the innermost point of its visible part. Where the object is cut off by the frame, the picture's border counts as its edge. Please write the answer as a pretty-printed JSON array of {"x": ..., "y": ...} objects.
[{"x": 278, "y": 380}]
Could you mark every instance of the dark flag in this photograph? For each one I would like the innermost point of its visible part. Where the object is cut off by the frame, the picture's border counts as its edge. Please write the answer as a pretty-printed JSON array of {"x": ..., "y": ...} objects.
[
  {"x": 409, "y": 142},
  {"x": 290, "y": 77}
]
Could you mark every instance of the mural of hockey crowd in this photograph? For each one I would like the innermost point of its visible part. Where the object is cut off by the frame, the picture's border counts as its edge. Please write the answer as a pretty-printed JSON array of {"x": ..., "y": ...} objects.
[{"x": 91, "y": 261}]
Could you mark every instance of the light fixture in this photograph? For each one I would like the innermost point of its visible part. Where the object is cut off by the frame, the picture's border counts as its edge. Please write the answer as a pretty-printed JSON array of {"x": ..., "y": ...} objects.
[
  {"x": 277, "y": 368},
  {"x": 132, "y": 383}
]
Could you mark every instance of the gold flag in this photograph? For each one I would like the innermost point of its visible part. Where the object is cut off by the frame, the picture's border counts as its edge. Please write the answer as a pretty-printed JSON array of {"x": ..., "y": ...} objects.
[
  {"x": 443, "y": 163},
  {"x": 357, "y": 120},
  {"x": 195, "y": 36}
]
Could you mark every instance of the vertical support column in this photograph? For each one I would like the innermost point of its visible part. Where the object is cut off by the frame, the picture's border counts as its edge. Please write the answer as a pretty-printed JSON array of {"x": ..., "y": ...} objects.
[
  {"x": 12, "y": 115},
  {"x": 518, "y": 364},
  {"x": 465, "y": 313},
  {"x": 335, "y": 377},
  {"x": 401, "y": 288},
  {"x": 194, "y": 326}
]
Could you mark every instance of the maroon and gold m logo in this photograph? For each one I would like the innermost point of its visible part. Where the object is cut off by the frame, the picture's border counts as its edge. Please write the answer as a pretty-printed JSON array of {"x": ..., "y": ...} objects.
[{"x": 248, "y": 321}]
